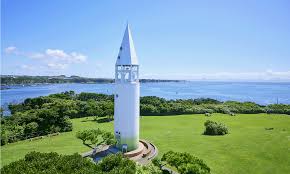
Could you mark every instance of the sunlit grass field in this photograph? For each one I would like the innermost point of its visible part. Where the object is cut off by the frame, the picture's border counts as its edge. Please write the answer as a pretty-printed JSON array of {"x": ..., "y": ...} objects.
[{"x": 249, "y": 148}]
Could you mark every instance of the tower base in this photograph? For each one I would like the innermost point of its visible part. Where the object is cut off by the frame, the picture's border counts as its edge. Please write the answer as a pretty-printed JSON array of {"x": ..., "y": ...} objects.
[{"x": 145, "y": 152}]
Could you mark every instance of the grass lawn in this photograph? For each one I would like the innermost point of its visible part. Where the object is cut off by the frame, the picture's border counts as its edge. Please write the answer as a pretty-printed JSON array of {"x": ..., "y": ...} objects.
[{"x": 249, "y": 148}]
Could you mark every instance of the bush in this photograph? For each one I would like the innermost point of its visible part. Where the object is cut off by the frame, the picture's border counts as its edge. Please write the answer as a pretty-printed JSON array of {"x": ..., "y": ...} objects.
[
  {"x": 148, "y": 169},
  {"x": 117, "y": 164},
  {"x": 232, "y": 114},
  {"x": 214, "y": 128},
  {"x": 186, "y": 163},
  {"x": 207, "y": 114},
  {"x": 157, "y": 162}
]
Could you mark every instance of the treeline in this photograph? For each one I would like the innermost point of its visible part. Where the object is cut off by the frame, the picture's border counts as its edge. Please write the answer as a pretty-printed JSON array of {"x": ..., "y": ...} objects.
[
  {"x": 49, "y": 114},
  {"x": 152, "y": 105},
  {"x": 14, "y": 80},
  {"x": 159, "y": 80}
]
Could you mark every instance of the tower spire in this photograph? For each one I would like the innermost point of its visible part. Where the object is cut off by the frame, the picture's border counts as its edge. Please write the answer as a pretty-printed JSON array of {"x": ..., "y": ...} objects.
[{"x": 127, "y": 54}]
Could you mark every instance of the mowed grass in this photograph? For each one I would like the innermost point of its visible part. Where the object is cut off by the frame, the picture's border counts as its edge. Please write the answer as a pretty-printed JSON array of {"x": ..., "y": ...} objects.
[{"x": 249, "y": 148}]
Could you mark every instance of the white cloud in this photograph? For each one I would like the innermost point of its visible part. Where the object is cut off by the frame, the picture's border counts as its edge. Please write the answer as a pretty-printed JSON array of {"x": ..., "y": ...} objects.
[
  {"x": 35, "y": 55},
  {"x": 54, "y": 59},
  {"x": 56, "y": 66},
  {"x": 10, "y": 49},
  {"x": 56, "y": 53},
  {"x": 78, "y": 57},
  {"x": 27, "y": 67},
  {"x": 72, "y": 57}
]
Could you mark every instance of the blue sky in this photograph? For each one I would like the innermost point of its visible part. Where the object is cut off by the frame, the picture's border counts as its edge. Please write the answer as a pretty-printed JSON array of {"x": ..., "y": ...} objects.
[{"x": 200, "y": 40}]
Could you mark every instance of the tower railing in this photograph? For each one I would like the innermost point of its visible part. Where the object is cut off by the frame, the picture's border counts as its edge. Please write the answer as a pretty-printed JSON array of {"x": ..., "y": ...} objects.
[{"x": 127, "y": 73}]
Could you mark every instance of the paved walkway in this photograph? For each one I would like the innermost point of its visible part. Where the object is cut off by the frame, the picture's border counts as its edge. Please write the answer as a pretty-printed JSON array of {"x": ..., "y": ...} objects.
[
  {"x": 153, "y": 153},
  {"x": 99, "y": 149}
]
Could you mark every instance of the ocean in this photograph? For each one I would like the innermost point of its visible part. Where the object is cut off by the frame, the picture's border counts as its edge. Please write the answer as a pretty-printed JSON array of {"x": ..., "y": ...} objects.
[{"x": 259, "y": 92}]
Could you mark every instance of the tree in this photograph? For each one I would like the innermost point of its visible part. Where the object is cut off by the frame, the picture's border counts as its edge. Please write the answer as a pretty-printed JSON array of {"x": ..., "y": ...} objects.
[
  {"x": 1, "y": 112},
  {"x": 96, "y": 137},
  {"x": 31, "y": 128},
  {"x": 5, "y": 136},
  {"x": 83, "y": 135}
]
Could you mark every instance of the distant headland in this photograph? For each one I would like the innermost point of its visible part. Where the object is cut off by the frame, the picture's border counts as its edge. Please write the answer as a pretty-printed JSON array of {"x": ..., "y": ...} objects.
[{"x": 25, "y": 79}]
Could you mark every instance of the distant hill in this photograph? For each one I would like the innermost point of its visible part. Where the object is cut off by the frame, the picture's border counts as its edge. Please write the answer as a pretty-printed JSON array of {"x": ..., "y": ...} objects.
[{"x": 15, "y": 79}]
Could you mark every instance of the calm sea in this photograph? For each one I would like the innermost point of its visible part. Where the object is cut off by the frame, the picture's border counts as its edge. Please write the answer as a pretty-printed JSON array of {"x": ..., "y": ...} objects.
[{"x": 259, "y": 92}]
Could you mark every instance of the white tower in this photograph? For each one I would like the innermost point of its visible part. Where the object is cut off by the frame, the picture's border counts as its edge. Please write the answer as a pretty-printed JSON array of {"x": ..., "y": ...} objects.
[{"x": 127, "y": 95}]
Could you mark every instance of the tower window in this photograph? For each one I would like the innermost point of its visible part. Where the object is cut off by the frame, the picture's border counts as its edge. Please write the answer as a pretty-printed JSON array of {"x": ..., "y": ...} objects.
[
  {"x": 117, "y": 96},
  {"x": 118, "y": 57},
  {"x": 121, "y": 48}
]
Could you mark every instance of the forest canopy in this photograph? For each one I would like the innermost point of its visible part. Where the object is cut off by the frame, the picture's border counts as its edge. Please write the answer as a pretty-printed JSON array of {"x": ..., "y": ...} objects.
[{"x": 51, "y": 163}]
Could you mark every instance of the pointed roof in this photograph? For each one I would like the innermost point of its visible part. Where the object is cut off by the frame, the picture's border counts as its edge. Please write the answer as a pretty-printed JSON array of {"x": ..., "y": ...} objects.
[{"x": 127, "y": 54}]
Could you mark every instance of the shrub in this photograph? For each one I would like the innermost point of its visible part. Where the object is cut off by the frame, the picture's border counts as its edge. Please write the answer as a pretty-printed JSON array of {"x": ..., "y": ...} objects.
[
  {"x": 214, "y": 128},
  {"x": 157, "y": 162},
  {"x": 232, "y": 114},
  {"x": 186, "y": 163},
  {"x": 207, "y": 114},
  {"x": 148, "y": 169},
  {"x": 117, "y": 164}
]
